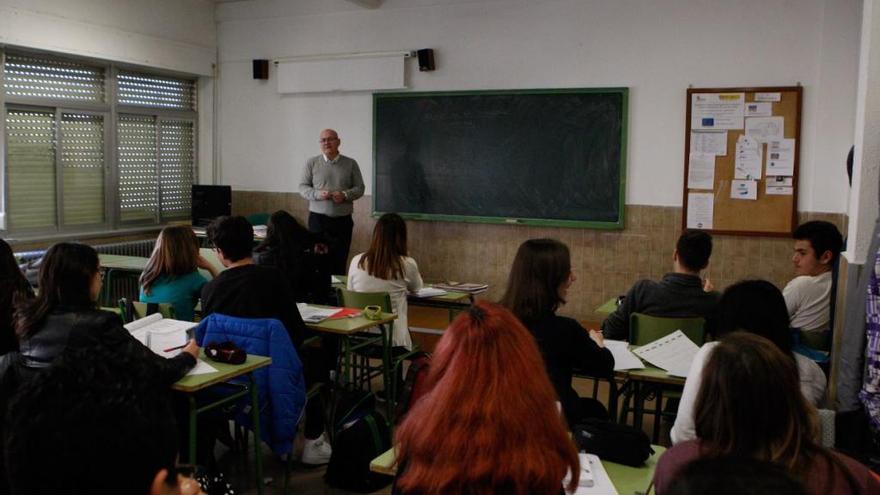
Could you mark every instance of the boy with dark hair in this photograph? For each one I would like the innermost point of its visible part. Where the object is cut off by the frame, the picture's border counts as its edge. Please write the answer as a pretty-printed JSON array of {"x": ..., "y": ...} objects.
[
  {"x": 680, "y": 294},
  {"x": 808, "y": 295},
  {"x": 92, "y": 423},
  {"x": 246, "y": 290}
]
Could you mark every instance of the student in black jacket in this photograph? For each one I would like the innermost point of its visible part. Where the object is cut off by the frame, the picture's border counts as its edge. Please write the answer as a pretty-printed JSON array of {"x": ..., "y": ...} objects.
[{"x": 538, "y": 285}]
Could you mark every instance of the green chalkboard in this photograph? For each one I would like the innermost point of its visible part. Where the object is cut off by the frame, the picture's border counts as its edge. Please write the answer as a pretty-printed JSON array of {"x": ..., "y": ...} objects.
[{"x": 540, "y": 157}]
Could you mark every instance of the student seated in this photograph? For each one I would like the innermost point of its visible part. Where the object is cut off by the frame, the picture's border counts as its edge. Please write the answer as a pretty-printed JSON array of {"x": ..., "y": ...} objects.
[
  {"x": 808, "y": 295},
  {"x": 754, "y": 306},
  {"x": 386, "y": 267},
  {"x": 14, "y": 290},
  {"x": 292, "y": 249},
  {"x": 246, "y": 290},
  {"x": 489, "y": 423},
  {"x": 750, "y": 405},
  {"x": 538, "y": 286},
  {"x": 172, "y": 275},
  {"x": 93, "y": 423},
  {"x": 63, "y": 317},
  {"x": 680, "y": 294}
]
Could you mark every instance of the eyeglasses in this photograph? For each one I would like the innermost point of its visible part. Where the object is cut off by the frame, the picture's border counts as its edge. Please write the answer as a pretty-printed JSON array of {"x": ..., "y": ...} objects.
[{"x": 327, "y": 140}]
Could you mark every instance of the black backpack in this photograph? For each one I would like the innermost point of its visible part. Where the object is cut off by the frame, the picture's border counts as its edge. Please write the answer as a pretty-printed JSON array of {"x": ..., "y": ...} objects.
[
  {"x": 613, "y": 442},
  {"x": 360, "y": 435}
]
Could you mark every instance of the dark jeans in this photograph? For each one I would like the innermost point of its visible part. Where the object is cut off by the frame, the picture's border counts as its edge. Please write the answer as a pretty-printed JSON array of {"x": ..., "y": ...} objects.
[
  {"x": 317, "y": 364},
  {"x": 337, "y": 231}
]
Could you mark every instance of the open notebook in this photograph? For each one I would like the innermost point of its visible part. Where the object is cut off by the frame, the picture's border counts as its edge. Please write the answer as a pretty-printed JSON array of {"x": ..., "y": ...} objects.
[{"x": 161, "y": 334}]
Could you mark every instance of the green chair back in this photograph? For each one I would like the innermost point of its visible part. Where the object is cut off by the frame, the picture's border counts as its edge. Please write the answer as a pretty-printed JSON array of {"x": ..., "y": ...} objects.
[
  {"x": 258, "y": 218},
  {"x": 359, "y": 300},
  {"x": 644, "y": 329}
]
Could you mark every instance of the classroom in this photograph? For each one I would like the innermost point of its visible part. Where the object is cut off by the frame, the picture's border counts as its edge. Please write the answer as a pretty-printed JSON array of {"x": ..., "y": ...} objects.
[{"x": 244, "y": 132}]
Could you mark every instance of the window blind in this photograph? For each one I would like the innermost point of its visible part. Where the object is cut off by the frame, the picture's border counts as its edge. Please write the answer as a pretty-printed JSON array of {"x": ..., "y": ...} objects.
[
  {"x": 30, "y": 169},
  {"x": 155, "y": 91},
  {"x": 82, "y": 163},
  {"x": 177, "y": 159},
  {"x": 138, "y": 181},
  {"x": 35, "y": 77}
]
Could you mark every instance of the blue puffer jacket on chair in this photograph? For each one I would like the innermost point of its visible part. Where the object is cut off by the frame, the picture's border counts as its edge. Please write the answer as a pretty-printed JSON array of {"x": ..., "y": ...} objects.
[{"x": 281, "y": 386}]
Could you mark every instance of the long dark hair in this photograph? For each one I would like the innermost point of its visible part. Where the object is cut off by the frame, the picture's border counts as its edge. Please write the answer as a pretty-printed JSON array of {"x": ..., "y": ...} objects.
[
  {"x": 758, "y": 307},
  {"x": 539, "y": 269},
  {"x": 384, "y": 257},
  {"x": 750, "y": 405},
  {"x": 175, "y": 254},
  {"x": 66, "y": 274},
  {"x": 14, "y": 291},
  {"x": 287, "y": 236}
]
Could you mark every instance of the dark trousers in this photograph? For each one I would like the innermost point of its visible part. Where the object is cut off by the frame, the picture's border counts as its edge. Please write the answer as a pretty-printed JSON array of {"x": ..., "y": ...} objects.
[{"x": 337, "y": 232}]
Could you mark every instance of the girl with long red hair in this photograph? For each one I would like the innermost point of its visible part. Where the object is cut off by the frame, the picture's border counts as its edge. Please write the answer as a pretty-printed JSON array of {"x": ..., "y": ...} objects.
[{"x": 490, "y": 423}]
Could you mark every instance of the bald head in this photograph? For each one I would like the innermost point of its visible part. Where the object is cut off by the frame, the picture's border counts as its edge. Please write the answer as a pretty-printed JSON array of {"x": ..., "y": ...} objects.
[{"x": 329, "y": 141}]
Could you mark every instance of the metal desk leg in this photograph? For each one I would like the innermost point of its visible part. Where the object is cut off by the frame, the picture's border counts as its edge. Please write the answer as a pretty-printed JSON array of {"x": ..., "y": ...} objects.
[
  {"x": 390, "y": 399},
  {"x": 193, "y": 412},
  {"x": 258, "y": 451},
  {"x": 612, "y": 399}
]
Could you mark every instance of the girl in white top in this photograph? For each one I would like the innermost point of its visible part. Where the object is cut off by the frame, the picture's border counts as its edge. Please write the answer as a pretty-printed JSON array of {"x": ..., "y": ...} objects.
[
  {"x": 754, "y": 306},
  {"x": 385, "y": 267}
]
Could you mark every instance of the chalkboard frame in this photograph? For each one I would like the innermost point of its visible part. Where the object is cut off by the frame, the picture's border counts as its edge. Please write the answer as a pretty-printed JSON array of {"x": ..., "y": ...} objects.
[{"x": 543, "y": 222}]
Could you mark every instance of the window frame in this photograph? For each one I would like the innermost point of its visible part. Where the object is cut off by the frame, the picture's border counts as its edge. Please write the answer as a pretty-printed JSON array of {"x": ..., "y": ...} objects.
[{"x": 110, "y": 111}]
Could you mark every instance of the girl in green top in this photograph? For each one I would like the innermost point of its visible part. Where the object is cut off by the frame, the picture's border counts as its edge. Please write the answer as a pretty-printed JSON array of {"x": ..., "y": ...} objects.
[{"x": 172, "y": 275}]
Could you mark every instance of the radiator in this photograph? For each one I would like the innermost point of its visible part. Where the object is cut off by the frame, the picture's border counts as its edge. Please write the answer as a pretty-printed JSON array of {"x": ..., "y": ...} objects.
[{"x": 132, "y": 248}]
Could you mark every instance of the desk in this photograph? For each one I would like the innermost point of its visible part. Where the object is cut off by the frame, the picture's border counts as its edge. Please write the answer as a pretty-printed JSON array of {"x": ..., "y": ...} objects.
[
  {"x": 635, "y": 380},
  {"x": 347, "y": 329},
  {"x": 122, "y": 262},
  {"x": 225, "y": 372},
  {"x": 607, "y": 307},
  {"x": 627, "y": 479},
  {"x": 453, "y": 301}
]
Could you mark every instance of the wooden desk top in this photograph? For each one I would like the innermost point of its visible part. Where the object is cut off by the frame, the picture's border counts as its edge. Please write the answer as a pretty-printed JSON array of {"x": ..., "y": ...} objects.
[
  {"x": 225, "y": 372},
  {"x": 626, "y": 479},
  {"x": 650, "y": 374},
  {"x": 123, "y": 262},
  {"x": 450, "y": 297},
  {"x": 348, "y": 326}
]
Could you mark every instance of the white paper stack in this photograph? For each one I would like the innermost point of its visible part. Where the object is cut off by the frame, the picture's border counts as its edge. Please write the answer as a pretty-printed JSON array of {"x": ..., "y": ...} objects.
[
  {"x": 312, "y": 314},
  {"x": 594, "y": 479},
  {"x": 624, "y": 359},
  {"x": 673, "y": 353},
  {"x": 429, "y": 292}
]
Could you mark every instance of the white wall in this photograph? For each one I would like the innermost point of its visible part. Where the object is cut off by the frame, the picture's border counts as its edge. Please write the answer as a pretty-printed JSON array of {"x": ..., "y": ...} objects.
[
  {"x": 177, "y": 35},
  {"x": 656, "y": 48}
]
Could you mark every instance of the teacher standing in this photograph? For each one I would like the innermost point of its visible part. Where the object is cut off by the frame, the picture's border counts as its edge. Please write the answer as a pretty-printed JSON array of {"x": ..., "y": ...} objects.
[{"x": 331, "y": 182}]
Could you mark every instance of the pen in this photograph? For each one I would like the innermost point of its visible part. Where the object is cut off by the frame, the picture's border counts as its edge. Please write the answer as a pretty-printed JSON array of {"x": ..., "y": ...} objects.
[{"x": 174, "y": 348}]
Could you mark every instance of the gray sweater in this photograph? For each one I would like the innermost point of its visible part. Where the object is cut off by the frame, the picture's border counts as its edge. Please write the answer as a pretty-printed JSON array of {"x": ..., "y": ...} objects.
[
  {"x": 676, "y": 295},
  {"x": 339, "y": 174}
]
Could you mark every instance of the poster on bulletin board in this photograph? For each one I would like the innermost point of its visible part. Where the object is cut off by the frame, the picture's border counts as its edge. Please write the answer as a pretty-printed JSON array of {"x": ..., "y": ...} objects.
[{"x": 741, "y": 160}]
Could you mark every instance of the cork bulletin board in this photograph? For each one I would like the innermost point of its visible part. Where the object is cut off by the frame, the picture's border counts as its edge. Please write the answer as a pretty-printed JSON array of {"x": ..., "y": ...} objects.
[{"x": 742, "y": 149}]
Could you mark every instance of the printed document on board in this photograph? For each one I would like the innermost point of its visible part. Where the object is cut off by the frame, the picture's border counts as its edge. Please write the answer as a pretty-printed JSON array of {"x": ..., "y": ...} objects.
[
  {"x": 700, "y": 210},
  {"x": 710, "y": 142},
  {"x": 717, "y": 110},
  {"x": 701, "y": 171}
]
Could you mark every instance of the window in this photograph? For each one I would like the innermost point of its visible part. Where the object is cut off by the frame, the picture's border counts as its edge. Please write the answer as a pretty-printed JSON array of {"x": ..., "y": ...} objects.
[{"x": 91, "y": 146}]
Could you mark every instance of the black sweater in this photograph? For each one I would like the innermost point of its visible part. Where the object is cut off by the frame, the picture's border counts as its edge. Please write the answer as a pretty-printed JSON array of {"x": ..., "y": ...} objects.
[
  {"x": 566, "y": 347},
  {"x": 252, "y": 291}
]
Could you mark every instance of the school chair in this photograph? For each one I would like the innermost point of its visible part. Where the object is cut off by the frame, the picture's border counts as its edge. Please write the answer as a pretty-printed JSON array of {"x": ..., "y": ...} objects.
[
  {"x": 134, "y": 310},
  {"x": 644, "y": 329},
  {"x": 393, "y": 362}
]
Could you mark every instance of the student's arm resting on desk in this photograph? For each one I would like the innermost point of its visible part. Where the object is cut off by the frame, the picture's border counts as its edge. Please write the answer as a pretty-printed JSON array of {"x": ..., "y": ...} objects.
[
  {"x": 411, "y": 275},
  {"x": 586, "y": 354}
]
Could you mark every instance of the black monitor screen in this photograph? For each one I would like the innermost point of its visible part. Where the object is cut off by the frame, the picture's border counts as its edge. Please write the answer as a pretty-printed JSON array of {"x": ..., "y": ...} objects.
[{"x": 210, "y": 202}]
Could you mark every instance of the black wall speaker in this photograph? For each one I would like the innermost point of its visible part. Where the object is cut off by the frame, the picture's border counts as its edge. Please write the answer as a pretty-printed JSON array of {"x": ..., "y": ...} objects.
[
  {"x": 261, "y": 68},
  {"x": 426, "y": 59}
]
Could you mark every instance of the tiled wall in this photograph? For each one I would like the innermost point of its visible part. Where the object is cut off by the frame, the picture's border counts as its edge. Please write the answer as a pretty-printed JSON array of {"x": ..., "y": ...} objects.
[{"x": 606, "y": 263}]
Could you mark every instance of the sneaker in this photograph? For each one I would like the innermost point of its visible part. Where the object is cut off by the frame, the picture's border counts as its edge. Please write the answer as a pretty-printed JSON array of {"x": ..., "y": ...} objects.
[{"x": 316, "y": 452}]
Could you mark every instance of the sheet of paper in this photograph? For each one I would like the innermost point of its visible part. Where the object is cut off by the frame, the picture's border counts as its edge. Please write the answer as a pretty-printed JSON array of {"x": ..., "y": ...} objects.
[
  {"x": 624, "y": 359},
  {"x": 779, "y": 190},
  {"x": 160, "y": 342},
  {"x": 717, "y": 110},
  {"x": 759, "y": 109},
  {"x": 312, "y": 314},
  {"x": 744, "y": 189},
  {"x": 430, "y": 292},
  {"x": 673, "y": 352},
  {"x": 765, "y": 129},
  {"x": 711, "y": 142},
  {"x": 202, "y": 368},
  {"x": 602, "y": 484},
  {"x": 701, "y": 171},
  {"x": 335, "y": 280},
  {"x": 143, "y": 322},
  {"x": 748, "y": 158},
  {"x": 700, "y": 210},
  {"x": 780, "y": 181},
  {"x": 768, "y": 96},
  {"x": 780, "y": 157}
]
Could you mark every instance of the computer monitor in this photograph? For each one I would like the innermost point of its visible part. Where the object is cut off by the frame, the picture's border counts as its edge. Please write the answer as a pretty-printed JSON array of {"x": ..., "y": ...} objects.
[{"x": 210, "y": 202}]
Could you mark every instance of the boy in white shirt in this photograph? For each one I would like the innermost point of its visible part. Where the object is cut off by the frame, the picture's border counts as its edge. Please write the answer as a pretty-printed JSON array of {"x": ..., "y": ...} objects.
[{"x": 808, "y": 296}]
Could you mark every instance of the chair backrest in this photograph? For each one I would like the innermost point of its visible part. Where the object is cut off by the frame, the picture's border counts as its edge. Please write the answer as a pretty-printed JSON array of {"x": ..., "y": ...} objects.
[
  {"x": 353, "y": 299},
  {"x": 133, "y": 310},
  {"x": 644, "y": 329}
]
